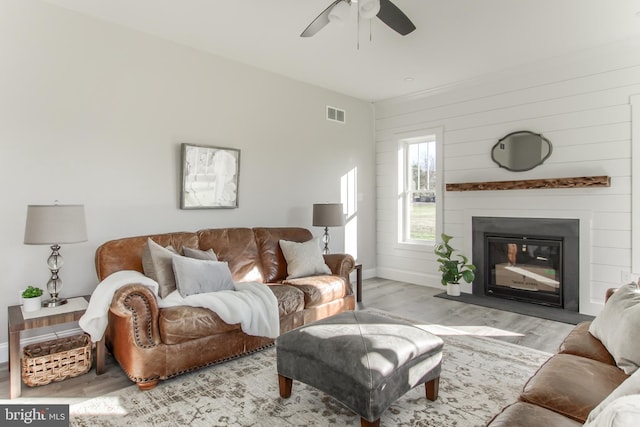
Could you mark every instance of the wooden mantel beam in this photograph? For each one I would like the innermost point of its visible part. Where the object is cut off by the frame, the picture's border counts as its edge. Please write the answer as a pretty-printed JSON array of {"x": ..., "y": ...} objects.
[{"x": 527, "y": 184}]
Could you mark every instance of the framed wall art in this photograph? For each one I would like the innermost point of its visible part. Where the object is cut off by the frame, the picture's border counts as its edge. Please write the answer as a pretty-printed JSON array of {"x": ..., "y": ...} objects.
[{"x": 209, "y": 177}]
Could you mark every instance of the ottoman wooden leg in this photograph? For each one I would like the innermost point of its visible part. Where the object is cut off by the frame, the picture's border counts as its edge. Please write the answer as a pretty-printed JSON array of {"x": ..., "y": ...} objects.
[
  {"x": 285, "y": 386},
  {"x": 432, "y": 388},
  {"x": 365, "y": 423}
]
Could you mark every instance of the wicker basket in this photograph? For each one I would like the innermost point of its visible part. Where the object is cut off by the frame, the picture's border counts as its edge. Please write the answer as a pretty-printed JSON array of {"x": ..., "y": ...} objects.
[{"x": 56, "y": 360}]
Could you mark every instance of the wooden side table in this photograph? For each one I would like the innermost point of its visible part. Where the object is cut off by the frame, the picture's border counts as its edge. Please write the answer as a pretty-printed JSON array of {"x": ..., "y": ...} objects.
[
  {"x": 358, "y": 269},
  {"x": 17, "y": 324}
]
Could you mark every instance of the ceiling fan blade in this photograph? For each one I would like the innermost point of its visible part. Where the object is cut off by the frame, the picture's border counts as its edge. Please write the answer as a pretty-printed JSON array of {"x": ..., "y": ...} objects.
[
  {"x": 395, "y": 18},
  {"x": 320, "y": 22}
]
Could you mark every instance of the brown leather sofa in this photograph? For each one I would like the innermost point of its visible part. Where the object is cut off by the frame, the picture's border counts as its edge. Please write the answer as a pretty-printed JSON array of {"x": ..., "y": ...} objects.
[
  {"x": 152, "y": 343},
  {"x": 567, "y": 387}
]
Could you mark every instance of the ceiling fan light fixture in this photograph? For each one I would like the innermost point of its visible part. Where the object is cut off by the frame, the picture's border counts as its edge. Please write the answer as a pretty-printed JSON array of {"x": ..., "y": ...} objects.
[
  {"x": 339, "y": 13},
  {"x": 368, "y": 8}
]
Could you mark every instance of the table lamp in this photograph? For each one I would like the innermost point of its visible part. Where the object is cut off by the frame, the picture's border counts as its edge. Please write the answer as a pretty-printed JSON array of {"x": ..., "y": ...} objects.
[
  {"x": 327, "y": 215},
  {"x": 53, "y": 225}
]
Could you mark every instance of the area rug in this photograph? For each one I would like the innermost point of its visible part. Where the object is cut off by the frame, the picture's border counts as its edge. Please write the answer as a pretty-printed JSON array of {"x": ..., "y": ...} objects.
[{"x": 479, "y": 376}]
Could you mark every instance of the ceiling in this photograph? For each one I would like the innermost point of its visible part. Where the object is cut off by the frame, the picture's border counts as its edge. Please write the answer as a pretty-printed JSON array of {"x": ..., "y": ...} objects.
[{"x": 455, "y": 40}]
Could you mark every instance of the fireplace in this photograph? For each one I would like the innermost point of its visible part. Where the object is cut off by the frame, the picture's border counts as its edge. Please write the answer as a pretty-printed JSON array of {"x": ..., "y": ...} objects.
[
  {"x": 524, "y": 268},
  {"x": 534, "y": 260}
]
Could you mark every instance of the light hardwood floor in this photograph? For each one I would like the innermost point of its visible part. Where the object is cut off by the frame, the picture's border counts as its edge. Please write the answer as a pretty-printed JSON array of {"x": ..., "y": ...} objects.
[
  {"x": 402, "y": 299},
  {"x": 418, "y": 303}
]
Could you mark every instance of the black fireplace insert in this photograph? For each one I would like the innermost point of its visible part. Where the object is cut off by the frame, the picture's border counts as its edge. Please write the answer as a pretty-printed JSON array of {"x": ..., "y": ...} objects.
[
  {"x": 525, "y": 269},
  {"x": 533, "y": 260}
]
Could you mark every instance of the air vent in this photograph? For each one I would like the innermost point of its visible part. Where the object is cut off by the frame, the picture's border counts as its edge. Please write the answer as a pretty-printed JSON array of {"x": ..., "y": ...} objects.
[{"x": 335, "y": 114}]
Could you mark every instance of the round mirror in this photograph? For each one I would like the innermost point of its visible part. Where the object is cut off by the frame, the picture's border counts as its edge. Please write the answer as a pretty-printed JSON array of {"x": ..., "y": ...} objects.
[{"x": 521, "y": 151}]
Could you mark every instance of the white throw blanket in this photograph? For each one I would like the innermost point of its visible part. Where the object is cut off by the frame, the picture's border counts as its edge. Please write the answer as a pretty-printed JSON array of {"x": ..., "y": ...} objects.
[{"x": 252, "y": 305}]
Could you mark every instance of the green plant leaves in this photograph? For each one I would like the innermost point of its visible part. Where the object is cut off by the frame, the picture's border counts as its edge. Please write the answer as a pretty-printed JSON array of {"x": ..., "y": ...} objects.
[
  {"x": 31, "y": 292},
  {"x": 452, "y": 269}
]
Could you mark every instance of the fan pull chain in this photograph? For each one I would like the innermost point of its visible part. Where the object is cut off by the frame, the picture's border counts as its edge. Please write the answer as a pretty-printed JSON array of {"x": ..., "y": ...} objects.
[{"x": 358, "y": 29}]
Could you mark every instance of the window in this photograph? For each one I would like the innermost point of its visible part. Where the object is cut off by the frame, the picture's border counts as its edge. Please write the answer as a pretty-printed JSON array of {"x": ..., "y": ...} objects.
[{"x": 419, "y": 190}]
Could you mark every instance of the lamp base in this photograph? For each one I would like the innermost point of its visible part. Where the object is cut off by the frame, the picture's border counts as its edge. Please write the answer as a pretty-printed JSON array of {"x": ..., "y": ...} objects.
[
  {"x": 54, "y": 302},
  {"x": 326, "y": 239}
]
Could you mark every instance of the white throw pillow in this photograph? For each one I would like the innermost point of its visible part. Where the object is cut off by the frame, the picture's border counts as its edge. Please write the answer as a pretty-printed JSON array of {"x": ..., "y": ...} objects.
[
  {"x": 304, "y": 259},
  {"x": 617, "y": 327},
  {"x": 622, "y": 412},
  {"x": 629, "y": 386},
  {"x": 196, "y": 276},
  {"x": 156, "y": 264}
]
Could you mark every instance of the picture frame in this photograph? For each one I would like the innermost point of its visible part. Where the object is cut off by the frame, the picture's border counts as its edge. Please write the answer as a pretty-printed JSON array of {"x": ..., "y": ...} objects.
[{"x": 210, "y": 177}]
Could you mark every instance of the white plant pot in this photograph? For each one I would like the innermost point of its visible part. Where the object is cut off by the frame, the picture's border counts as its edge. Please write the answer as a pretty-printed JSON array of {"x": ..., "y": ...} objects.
[
  {"x": 453, "y": 289},
  {"x": 31, "y": 304}
]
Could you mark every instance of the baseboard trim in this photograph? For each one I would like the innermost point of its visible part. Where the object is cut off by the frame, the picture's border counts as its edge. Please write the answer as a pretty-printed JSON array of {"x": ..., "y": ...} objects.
[
  {"x": 415, "y": 278},
  {"x": 368, "y": 273}
]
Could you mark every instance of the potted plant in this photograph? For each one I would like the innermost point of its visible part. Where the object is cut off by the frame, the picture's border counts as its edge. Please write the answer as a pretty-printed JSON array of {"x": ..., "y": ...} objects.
[
  {"x": 31, "y": 299},
  {"x": 453, "y": 269}
]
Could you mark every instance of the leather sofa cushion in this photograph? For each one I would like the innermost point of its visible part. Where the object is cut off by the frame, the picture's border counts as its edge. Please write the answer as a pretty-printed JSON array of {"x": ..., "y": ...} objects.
[
  {"x": 319, "y": 290},
  {"x": 290, "y": 299},
  {"x": 572, "y": 385},
  {"x": 181, "y": 324},
  {"x": 526, "y": 414},
  {"x": 580, "y": 342},
  {"x": 630, "y": 387},
  {"x": 236, "y": 246}
]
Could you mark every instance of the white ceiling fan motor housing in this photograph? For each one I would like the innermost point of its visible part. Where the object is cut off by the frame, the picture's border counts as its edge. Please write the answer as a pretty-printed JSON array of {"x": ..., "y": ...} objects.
[{"x": 368, "y": 8}]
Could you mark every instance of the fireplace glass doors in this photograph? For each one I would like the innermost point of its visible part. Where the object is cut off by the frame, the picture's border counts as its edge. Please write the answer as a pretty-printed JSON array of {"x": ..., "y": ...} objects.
[{"x": 526, "y": 269}]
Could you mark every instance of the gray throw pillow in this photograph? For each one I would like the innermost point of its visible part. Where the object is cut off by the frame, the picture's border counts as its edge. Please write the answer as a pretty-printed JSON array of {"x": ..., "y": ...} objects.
[
  {"x": 196, "y": 276},
  {"x": 303, "y": 259},
  {"x": 156, "y": 264},
  {"x": 198, "y": 254},
  {"x": 617, "y": 325}
]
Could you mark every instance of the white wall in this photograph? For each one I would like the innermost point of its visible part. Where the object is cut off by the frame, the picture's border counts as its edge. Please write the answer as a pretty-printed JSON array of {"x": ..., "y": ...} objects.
[
  {"x": 94, "y": 113},
  {"x": 581, "y": 104}
]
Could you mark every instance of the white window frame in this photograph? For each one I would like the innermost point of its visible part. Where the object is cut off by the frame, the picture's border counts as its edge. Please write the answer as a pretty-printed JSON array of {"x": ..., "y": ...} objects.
[{"x": 403, "y": 211}]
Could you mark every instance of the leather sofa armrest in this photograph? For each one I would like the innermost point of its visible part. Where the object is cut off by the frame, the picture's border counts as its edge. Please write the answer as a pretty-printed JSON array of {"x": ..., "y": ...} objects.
[
  {"x": 341, "y": 265},
  {"x": 133, "y": 316}
]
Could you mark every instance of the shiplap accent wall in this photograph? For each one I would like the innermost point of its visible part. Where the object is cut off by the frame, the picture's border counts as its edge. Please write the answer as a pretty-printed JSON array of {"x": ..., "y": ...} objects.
[{"x": 581, "y": 104}]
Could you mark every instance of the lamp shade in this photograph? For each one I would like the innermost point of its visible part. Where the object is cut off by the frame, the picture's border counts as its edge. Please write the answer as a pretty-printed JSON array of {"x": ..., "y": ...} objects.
[
  {"x": 328, "y": 215},
  {"x": 54, "y": 224}
]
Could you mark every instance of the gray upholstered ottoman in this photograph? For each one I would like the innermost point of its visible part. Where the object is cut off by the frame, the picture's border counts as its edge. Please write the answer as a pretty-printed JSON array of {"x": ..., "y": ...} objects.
[{"x": 364, "y": 360}]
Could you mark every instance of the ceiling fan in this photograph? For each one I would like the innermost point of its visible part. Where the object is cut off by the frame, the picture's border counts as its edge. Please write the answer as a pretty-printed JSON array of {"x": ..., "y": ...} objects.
[{"x": 338, "y": 12}]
